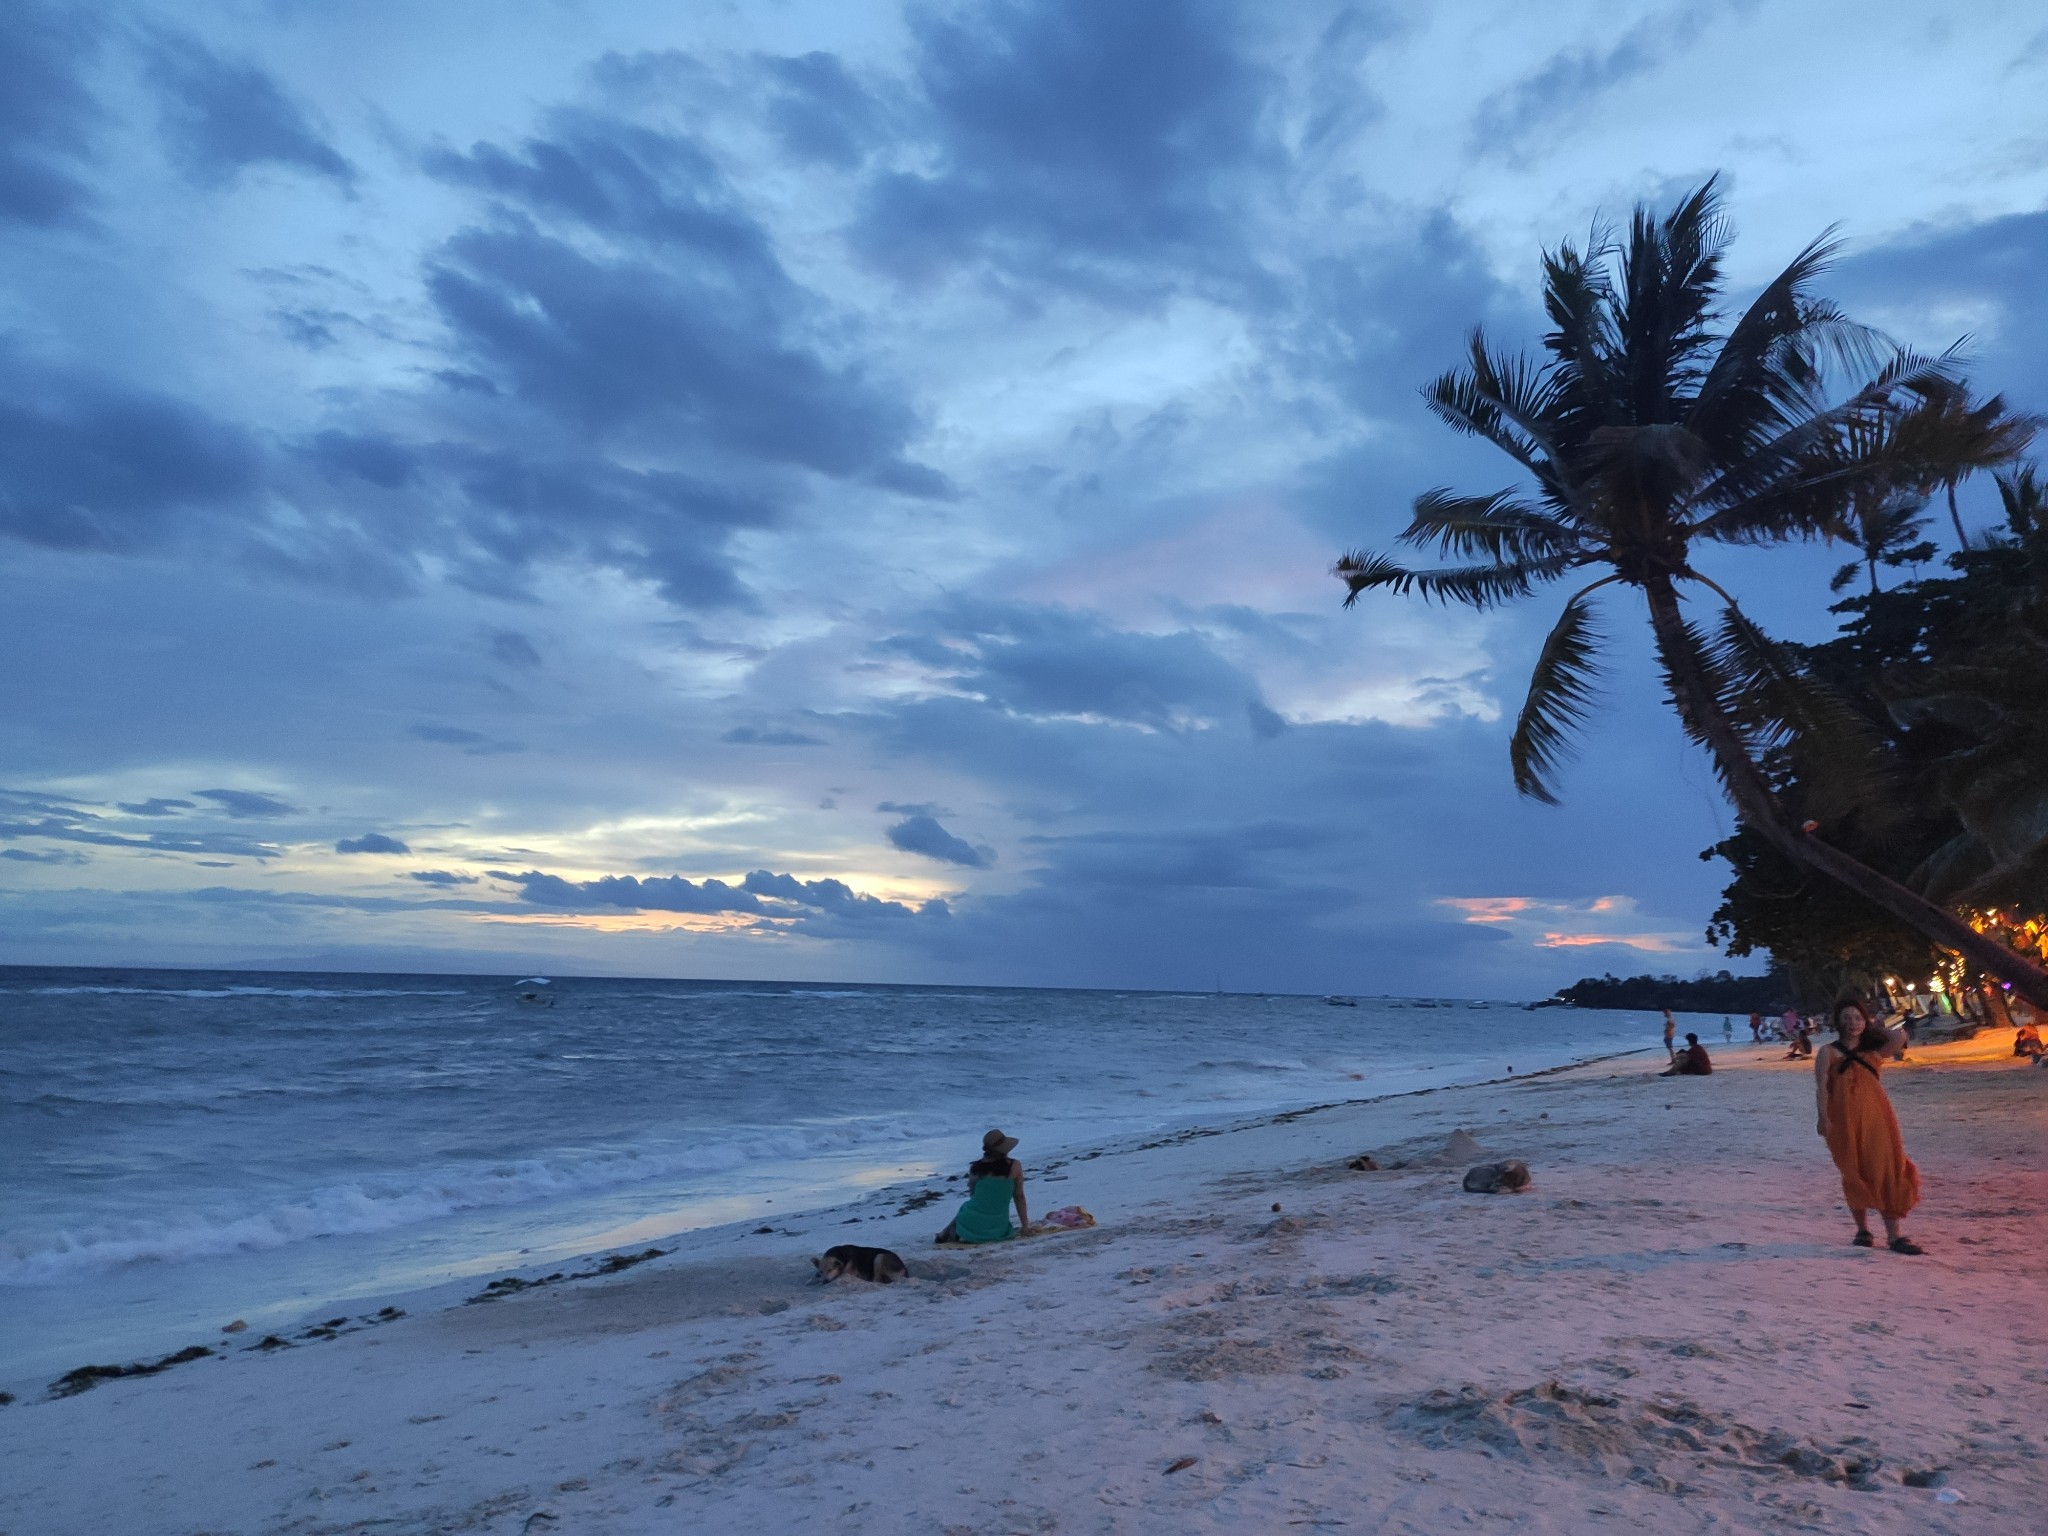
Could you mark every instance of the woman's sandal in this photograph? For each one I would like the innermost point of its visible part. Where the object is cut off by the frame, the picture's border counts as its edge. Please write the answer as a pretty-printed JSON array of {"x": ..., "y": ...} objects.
[
  {"x": 1863, "y": 1239},
  {"x": 1904, "y": 1245}
]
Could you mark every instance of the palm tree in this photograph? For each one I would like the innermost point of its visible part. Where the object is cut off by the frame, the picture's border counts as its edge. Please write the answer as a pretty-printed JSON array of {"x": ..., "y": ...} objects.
[{"x": 1647, "y": 431}]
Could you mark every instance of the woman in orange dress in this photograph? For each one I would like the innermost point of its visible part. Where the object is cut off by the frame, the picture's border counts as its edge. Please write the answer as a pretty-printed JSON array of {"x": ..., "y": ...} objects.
[{"x": 1862, "y": 1133}]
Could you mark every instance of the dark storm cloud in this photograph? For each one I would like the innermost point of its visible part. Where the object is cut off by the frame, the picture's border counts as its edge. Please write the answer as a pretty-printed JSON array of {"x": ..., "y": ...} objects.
[
  {"x": 1994, "y": 272},
  {"x": 220, "y": 115},
  {"x": 1049, "y": 661},
  {"x": 690, "y": 326},
  {"x": 625, "y": 347},
  {"x": 1074, "y": 141},
  {"x": 47, "y": 113},
  {"x": 88, "y": 463},
  {"x": 241, "y": 803},
  {"x": 371, "y": 842},
  {"x": 923, "y": 834}
]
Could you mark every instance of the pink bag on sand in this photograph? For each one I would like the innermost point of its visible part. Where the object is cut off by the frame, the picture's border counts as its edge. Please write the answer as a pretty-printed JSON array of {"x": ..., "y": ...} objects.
[{"x": 1072, "y": 1217}]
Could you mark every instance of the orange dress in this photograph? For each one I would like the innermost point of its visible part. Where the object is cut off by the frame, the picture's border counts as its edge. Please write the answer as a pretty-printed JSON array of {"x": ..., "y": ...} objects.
[{"x": 1864, "y": 1140}]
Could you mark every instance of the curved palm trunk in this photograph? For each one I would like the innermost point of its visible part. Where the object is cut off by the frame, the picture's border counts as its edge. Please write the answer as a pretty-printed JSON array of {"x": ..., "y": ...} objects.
[
  {"x": 1695, "y": 697},
  {"x": 1955, "y": 517}
]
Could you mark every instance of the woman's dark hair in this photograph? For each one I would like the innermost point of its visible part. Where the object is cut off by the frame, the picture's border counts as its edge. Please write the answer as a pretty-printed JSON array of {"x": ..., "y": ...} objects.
[
  {"x": 989, "y": 1167},
  {"x": 1851, "y": 1000}
]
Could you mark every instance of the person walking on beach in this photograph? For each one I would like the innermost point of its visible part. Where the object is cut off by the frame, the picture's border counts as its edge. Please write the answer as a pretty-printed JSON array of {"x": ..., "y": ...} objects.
[
  {"x": 994, "y": 1181},
  {"x": 1727, "y": 1029},
  {"x": 1670, "y": 1035},
  {"x": 1855, "y": 1118},
  {"x": 1756, "y": 1028}
]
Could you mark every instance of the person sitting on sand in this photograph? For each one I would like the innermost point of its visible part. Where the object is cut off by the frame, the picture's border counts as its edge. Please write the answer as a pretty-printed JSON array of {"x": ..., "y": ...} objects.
[
  {"x": 1855, "y": 1118},
  {"x": 994, "y": 1180},
  {"x": 1802, "y": 1043},
  {"x": 1690, "y": 1062},
  {"x": 2028, "y": 1041}
]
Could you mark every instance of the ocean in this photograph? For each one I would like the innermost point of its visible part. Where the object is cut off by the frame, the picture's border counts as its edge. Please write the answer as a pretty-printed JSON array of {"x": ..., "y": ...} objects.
[{"x": 187, "y": 1147}]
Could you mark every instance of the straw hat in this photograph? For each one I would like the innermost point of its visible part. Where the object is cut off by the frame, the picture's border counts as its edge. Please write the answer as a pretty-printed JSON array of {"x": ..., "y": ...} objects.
[{"x": 996, "y": 1144}]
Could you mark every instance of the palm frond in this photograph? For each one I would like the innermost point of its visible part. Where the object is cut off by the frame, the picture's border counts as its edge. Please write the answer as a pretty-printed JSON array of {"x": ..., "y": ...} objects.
[
  {"x": 1508, "y": 401},
  {"x": 1782, "y": 707},
  {"x": 1498, "y": 526},
  {"x": 1475, "y": 586},
  {"x": 1361, "y": 571},
  {"x": 1795, "y": 486},
  {"x": 1756, "y": 366},
  {"x": 1561, "y": 692}
]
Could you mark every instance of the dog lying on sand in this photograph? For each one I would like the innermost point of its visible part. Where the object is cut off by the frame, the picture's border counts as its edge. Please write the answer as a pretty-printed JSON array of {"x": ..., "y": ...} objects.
[{"x": 879, "y": 1265}]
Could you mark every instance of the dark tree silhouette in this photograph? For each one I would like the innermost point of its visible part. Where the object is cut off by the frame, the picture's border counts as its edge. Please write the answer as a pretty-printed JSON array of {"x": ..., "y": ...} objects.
[{"x": 1647, "y": 431}]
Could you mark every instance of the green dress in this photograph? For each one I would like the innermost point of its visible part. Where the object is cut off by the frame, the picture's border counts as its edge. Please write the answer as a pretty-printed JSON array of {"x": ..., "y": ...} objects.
[{"x": 985, "y": 1216}]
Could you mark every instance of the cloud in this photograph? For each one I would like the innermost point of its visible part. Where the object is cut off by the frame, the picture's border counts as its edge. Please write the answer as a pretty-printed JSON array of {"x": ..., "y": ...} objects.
[
  {"x": 1074, "y": 142},
  {"x": 55, "y": 818},
  {"x": 46, "y": 112},
  {"x": 688, "y": 328},
  {"x": 751, "y": 736},
  {"x": 54, "y": 856},
  {"x": 1572, "y": 78},
  {"x": 241, "y": 803},
  {"x": 510, "y": 648},
  {"x": 1050, "y": 662},
  {"x": 825, "y": 907},
  {"x": 819, "y": 112},
  {"x": 156, "y": 806},
  {"x": 221, "y": 115},
  {"x": 663, "y": 893},
  {"x": 924, "y": 835},
  {"x": 473, "y": 743},
  {"x": 371, "y": 842},
  {"x": 88, "y": 463},
  {"x": 440, "y": 877}
]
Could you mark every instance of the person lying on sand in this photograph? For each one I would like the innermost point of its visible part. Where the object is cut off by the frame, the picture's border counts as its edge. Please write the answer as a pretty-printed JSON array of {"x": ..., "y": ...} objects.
[
  {"x": 2027, "y": 1042},
  {"x": 1855, "y": 1118},
  {"x": 1690, "y": 1062},
  {"x": 994, "y": 1180}
]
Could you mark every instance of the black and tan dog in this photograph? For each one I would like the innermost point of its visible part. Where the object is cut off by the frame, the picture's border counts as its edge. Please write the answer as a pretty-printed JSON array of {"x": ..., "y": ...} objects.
[{"x": 877, "y": 1264}]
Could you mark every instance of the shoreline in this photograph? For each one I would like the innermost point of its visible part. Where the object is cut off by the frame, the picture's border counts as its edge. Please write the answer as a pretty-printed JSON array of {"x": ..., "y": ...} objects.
[
  {"x": 1378, "y": 1348},
  {"x": 637, "y": 1236}
]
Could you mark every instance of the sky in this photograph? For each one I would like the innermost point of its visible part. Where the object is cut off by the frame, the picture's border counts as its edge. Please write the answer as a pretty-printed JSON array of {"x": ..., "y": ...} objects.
[{"x": 847, "y": 491}]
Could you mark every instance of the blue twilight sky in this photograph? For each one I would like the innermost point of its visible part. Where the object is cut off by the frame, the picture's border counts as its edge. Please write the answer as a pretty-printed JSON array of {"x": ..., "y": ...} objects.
[{"x": 846, "y": 490}]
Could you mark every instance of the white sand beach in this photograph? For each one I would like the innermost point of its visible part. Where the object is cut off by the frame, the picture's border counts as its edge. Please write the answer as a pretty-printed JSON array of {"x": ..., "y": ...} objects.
[{"x": 1669, "y": 1332}]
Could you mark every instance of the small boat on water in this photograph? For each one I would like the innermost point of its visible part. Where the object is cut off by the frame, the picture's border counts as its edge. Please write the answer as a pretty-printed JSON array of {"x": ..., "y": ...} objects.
[
  {"x": 536, "y": 991},
  {"x": 1341, "y": 1002}
]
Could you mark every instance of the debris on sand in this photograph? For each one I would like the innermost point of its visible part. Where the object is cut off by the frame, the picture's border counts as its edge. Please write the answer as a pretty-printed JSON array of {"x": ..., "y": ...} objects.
[
  {"x": 1497, "y": 1178},
  {"x": 511, "y": 1285},
  {"x": 86, "y": 1377}
]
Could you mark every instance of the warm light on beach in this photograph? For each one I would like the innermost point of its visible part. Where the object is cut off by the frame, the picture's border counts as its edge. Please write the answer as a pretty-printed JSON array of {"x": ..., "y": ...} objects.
[{"x": 913, "y": 768}]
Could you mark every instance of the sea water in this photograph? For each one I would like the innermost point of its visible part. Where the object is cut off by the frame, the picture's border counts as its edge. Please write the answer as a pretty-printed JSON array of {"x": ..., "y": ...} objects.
[{"x": 186, "y": 1147}]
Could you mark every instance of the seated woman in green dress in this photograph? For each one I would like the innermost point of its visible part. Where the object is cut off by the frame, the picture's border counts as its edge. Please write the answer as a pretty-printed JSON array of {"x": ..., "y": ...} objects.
[{"x": 994, "y": 1180}]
